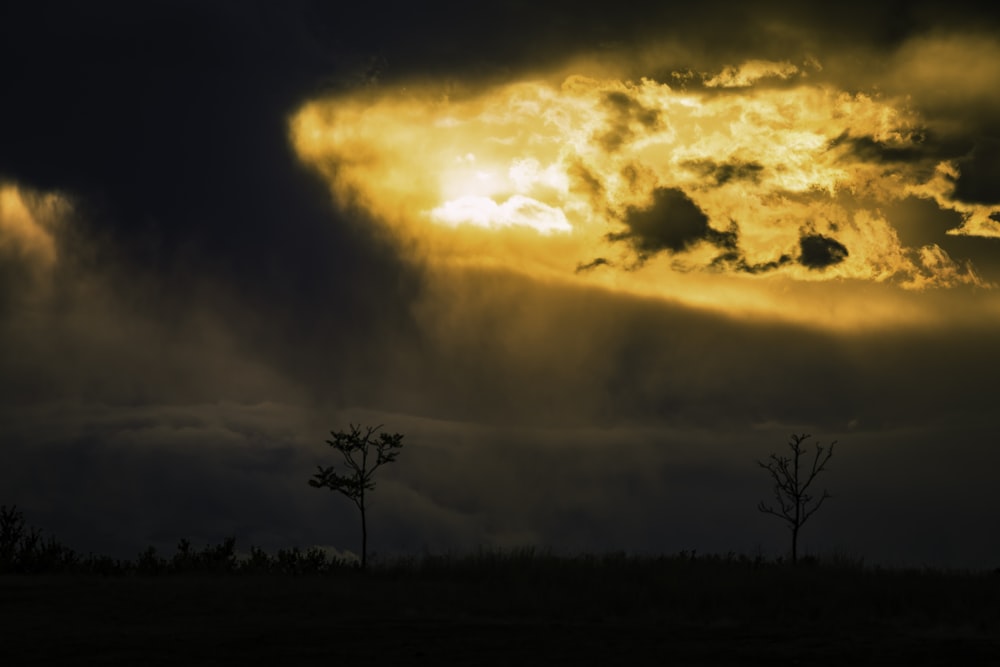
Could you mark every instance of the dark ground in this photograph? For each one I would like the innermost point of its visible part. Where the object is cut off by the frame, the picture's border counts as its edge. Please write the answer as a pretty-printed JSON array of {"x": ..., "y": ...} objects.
[{"x": 680, "y": 614}]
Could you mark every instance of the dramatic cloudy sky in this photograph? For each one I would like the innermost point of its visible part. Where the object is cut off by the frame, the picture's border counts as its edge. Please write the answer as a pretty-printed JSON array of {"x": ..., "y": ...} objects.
[{"x": 593, "y": 263}]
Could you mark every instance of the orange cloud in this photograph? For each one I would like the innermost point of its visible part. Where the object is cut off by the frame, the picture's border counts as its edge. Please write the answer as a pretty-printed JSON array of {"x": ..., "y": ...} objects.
[
  {"x": 26, "y": 221},
  {"x": 711, "y": 199}
]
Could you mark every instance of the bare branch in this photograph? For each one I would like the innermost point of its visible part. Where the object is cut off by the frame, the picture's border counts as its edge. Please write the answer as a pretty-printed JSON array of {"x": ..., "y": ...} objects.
[
  {"x": 815, "y": 507},
  {"x": 795, "y": 505},
  {"x": 761, "y": 507}
]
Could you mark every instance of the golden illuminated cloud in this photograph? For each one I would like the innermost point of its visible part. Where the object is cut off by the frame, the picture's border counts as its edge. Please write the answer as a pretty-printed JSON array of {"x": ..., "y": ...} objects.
[
  {"x": 750, "y": 73},
  {"x": 30, "y": 225},
  {"x": 949, "y": 71},
  {"x": 723, "y": 194},
  {"x": 25, "y": 221}
]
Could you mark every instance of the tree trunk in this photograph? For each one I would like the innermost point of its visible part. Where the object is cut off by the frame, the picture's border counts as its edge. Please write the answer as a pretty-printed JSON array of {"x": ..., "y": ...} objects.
[
  {"x": 364, "y": 540},
  {"x": 795, "y": 544}
]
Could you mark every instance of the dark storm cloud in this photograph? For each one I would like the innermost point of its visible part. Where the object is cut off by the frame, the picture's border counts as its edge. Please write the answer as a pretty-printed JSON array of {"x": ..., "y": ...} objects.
[
  {"x": 735, "y": 260},
  {"x": 671, "y": 222},
  {"x": 920, "y": 221},
  {"x": 167, "y": 124},
  {"x": 584, "y": 180},
  {"x": 978, "y": 181},
  {"x": 749, "y": 171},
  {"x": 625, "y": 112},
  {"x": 592, "y": 264},
  {"x": 869, "y": 149},
  {"x": 724, "y": 172},
  {"x": 819, "y": 252}
]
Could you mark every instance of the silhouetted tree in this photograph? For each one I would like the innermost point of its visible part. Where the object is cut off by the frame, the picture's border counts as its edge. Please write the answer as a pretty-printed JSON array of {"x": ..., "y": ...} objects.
[
  {"x": 12, "y": 534},
  {"x": 22, "y": 548},
  {"x": 791, "y": 486},
  {"x": 357, "y": 447}
]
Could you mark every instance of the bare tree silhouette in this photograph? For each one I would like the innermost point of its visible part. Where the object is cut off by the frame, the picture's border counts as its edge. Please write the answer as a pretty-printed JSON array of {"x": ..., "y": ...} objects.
[
  {"x": 791, "y": 486},
  {"x": 356, "y": 446},
  {"x": 12, "y": 534}
]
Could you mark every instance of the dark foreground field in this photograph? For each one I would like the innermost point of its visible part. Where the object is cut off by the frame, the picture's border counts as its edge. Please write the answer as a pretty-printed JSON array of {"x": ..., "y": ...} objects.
[{"x": 503, "y": 610}]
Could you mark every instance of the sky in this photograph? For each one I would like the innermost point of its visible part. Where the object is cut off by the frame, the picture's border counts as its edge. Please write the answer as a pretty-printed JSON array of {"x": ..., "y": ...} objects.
[{"x": 594, "y": 264}]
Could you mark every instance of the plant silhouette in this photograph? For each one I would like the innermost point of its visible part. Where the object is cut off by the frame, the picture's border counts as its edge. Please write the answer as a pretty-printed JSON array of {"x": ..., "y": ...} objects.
[
  {"x": 356, "y": 447},
  {"x": 12, "y": 534},
  {"x": 791, "y": 486}
]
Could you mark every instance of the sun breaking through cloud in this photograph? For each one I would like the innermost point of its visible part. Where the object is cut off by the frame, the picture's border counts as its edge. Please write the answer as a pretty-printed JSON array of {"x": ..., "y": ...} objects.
[{"x": 753, "y": 175}]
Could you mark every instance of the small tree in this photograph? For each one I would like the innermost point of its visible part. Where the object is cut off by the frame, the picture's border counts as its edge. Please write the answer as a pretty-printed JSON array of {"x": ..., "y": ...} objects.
[
  {"x": 12, "y": 536},
  {"x": 791, "y": 486},
  {"x": 356, "y": 447}
]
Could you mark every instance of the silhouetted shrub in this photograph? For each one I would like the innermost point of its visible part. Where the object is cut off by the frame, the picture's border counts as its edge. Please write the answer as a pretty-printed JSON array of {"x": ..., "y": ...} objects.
[
  {"x": 218, "y": 559},
  {"x": 42, "y": 556},
  {"x": 289, "y": 561},
  {"x": 184, "y": 560},
  {"x": 258, "y": 562},
  {"x": 102, "y": 565},
  {"x": 11, "y": 535},
  {"x": 148, "y": 563},
  {"x": 24, "y": 551}
]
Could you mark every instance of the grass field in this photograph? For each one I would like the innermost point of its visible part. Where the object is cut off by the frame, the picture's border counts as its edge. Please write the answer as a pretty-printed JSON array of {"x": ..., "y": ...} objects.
[{"x": 496, "y": 608}]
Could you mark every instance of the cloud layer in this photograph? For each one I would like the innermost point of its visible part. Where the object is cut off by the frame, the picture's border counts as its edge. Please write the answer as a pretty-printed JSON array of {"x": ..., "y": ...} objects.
[{"x": 647, "y": 180}]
